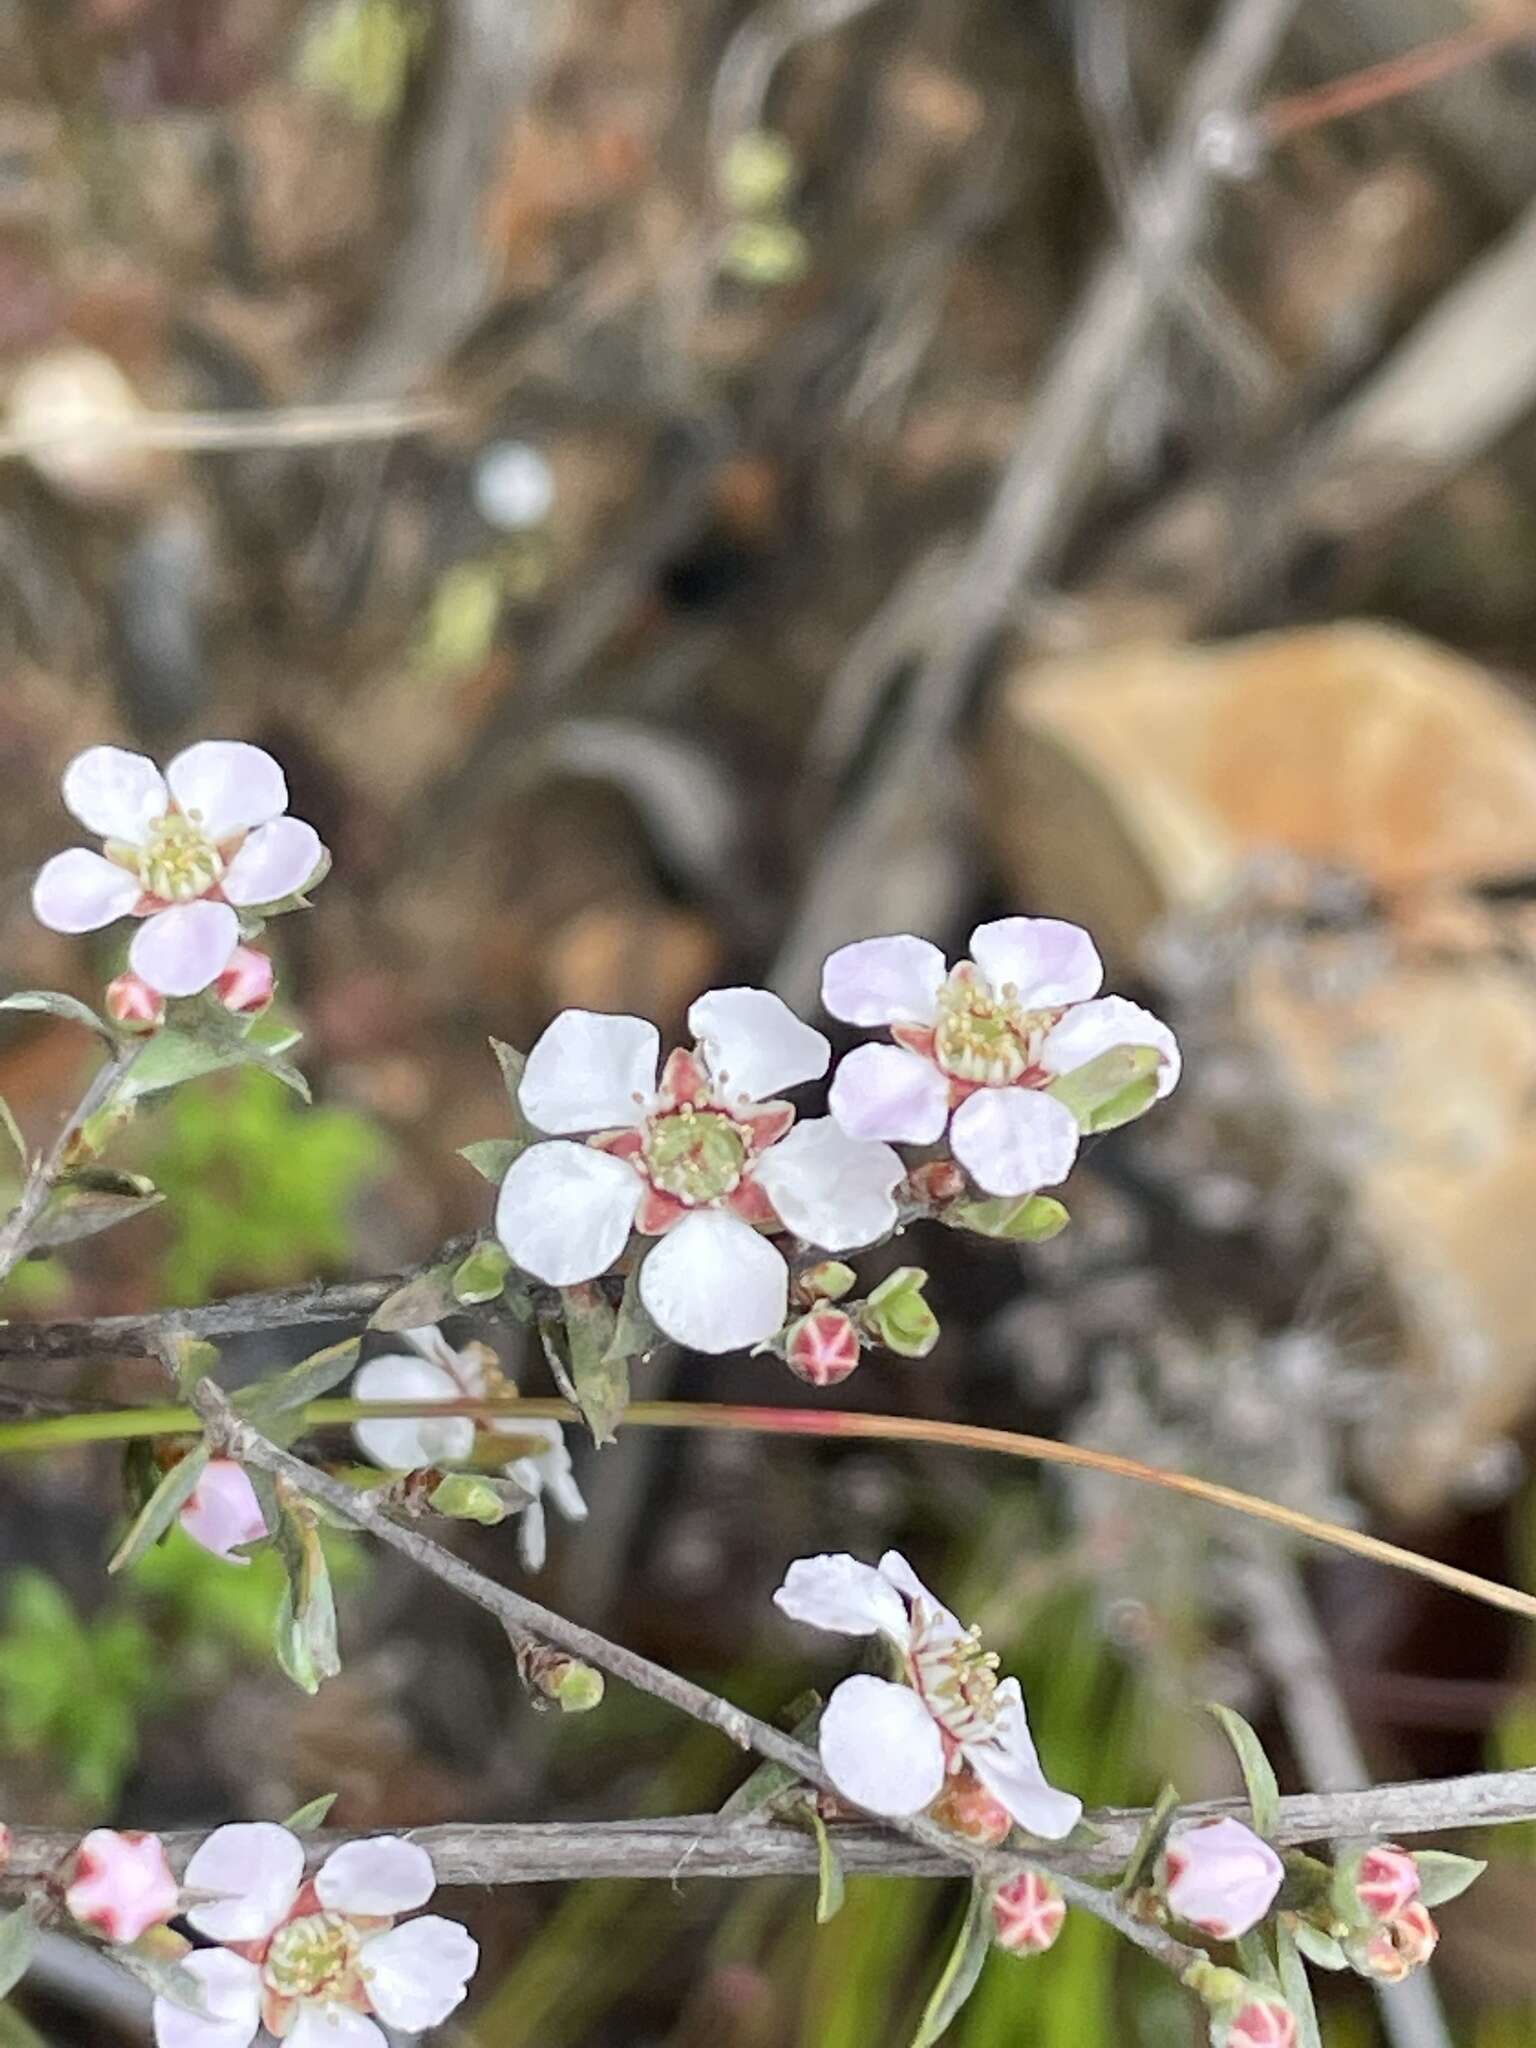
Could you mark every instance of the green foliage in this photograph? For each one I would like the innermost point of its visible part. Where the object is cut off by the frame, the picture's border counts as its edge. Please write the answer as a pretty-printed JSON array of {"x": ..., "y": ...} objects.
[
  {"x": 260, "y": 1186},
  {"x": 71, "y": 1688}
]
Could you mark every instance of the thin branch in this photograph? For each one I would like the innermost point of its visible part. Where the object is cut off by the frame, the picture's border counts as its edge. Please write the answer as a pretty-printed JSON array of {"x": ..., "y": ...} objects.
[
  {"x": 16, "y": 1234},
  {"x": 292, "y": 426}
]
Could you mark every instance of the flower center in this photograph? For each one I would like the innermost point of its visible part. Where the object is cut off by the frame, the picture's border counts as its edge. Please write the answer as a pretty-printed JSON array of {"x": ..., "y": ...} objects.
[
  {"x": 695, "y": 1154},
  {"x": 316, "y": 1953},
  {"x": 982, "y": 1037},
  {"x": 957, "y": 1679},
  {"x": 179, "y": 862}
]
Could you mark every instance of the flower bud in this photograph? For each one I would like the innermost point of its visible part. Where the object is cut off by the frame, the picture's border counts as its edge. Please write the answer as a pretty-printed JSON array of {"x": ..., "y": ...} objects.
[
  {"x": 121, "y": 1884},
  {"x": 133, "y": 1003},
  {"x": 222, "y": 1512},
  {"x": 899, "y": 1316},
  {"x": 1397, "y": 1948},
  {"x": 1377, "y": 1884},
  {"x": 1261, "y": 2023},
  {"x": 829, "y": 1281},
  {"x": 938, "y": 1182},
  {"x": 966, "y": 1807},
  {"x": 555, "y": 1679},
  {"x": 246, "y": 984},
  {"x": 1220, "y": 1877},
  {"x": 1027, "y": 1914},
  {"x": 822, "y": 1348},
  {"x": 467, "y": 1497}
]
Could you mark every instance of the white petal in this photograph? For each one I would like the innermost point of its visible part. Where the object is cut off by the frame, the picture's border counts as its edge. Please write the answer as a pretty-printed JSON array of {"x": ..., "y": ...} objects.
[
  {"x": 232, "y": 1994},
  {"x": 406, "y": 1443},
  {"x": 334, "y": 2026},
  {"x": 80, "y": 891},
  {"x": 564, "y": 1211},
  {"x": 754, "y": 1043},
  {"x": 385, "y": 1874},
  {"x": 258, "y": 1866},
  {"x": 1045, "y": 959},
  {"x": 275, "y": 861},
  {"x": 115, "y": 794},
  {"x": 1091, "y": 1028},
  {"x": 590, "y": 1072},
  {"x": 183, "y": 950},
  {"x": 1014, "y": 1140},
  {"x": 839, "y": 1592},
  {"x": 884, "y": 981},
  {"x": 231, "y": 786},
  {"x": 532, "y": 1535},
  {"x": 884, "y": 1091},
  {"x": 832, "y": 1190},
  {"x": 417, "y": 1973},
  {"x": 881, "y": 1747},
  {"x": 940, "y": 1622},
  {"x": 713, "y": 1284},
  {"x": 1010, "y": 1769},
  {"x": 429, "y": 1340}
]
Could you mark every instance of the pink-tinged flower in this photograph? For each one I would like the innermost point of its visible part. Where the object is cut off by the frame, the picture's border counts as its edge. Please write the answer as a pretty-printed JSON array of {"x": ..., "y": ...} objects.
[
  {"x": 1384, "y": 1881},
  {"x": 1027, "y": 1914},
  {"x": 433, "y": 1371},
  {"x": 121, "y": 1884},
  {"x": 889, "y": 1748},
  {"x": 823, "y": 1347},
  {"x": 246, "y": 984},
  {"x": 1261, "y": 2023},
  {"x": 977, "y": 1045},
  {"x": 1220, "y": 1877},
  {"x": 706, "y": 1161},
  {"x": 222, "y": 1511},
  {"x": 317, "y": 1962},
  {"x": 1397, "y": 1948},
  {"x": 185, "y": 852},
  {"x": 133, "y": 1002}
]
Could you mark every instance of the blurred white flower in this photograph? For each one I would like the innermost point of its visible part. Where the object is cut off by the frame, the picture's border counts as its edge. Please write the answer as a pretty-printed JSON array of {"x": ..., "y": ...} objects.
[{"x": 514, "y": 486}]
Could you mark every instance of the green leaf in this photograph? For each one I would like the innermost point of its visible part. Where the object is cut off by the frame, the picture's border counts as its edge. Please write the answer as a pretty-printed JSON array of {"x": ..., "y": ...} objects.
[
  {"x": 1258, "y": 1772},
  {"x": 770, "y": 1781},
  {"x": 830, "y": 1887},
  {"x": 54, "y": 1004},
  {"x": 490, "y": 1157},
  {"x": 469, "y": 1497},
  {"x": 1112, "y": 1089},
  {"x": 1315, "y": 1945},
  {"x": 90, "y": 1199},
  {"x": 898, "y": 1314},
  {"x": 1149, "y": 1843},
  {"x": 1256, "y": 1961},
  {"x": 1443, "y": 1876},
  {"x": 300, "y": 1384},
  {"x": 600, "y": 1378},
  {"x": 18, "y": 1938},
  {"x": 426, "y": 1298},
  {"x": 1296, "y": 1989},
  {"x": 311, "y": 1815},
  {"x": 1028, "y": 1219},
  {"x": 960, "y": 1973},
  {"x": 304, "y": 1631},
  {"x": 193, "y": 1358},
  {"x": 162, "y": 1508},
  {"x": 482, "y": 1275},
  {"x": 207, "y": 1043},
  {"x": 634, "y": 1334}
]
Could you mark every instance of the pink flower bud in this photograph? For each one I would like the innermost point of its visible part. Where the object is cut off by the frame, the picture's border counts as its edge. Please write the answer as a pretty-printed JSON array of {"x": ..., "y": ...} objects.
[
  {"x": 1396, "y": 1949},
  {"x": 1027, "y": 1914},
  {"x": 245, "y": 986},
  {"x": 121, "y": 1884},
  {"x": 131, "y": 1001},
  {"x": 1220, "y": 1877},
  {"x": 1386, "y": 1881},
  {"x": 1261, "y": 2023},
  {"x": 822, "y": 1348},
  {"x": 223, "y": 1511},
  {"x": 938, "y": 1182},
  {"x": 966, "y": 1807}
]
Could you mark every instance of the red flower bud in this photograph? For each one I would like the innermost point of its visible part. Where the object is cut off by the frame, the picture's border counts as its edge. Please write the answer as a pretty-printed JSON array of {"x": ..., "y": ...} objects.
[
  {"x": 938, "y": 1182},
  {"x": 1396, "y": 1949},
  {"x": 1386, "y": 1882},
  {"x": 966, "y": 1807},
  {"x": 1262, "y": 2023},
  {"x": 121, "y": 1884},
  {"x": 1027, "y": 1914},
  {"x": 131, "y": 1001},
  {"x": 822, "y": 1348},
  {"x": 245, "y": 986}
]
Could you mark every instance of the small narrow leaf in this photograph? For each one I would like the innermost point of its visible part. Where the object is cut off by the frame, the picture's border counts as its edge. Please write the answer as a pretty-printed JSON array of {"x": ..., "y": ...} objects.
[
  {"x": 601, "y": 1380},
  {"x": 90, "y": 1199},
  {"x": 1316, "y": 1946},
  {"x": 192, "y": 1359},
  {"x": 1443, "y": 1876},
  {"x": 304, "y": 1630},
  {"x": 830, "y": 1888},
  {"x": 55, "y": 1004},
  {"x": 311, "y": 1815},
  {"x": 1026, "y": 1219},
  {"x": 552, "y": 1335},
  {"x": 425, "y": 1299},
  {"x": 1149, "y": 1843},
  {"x": 1255, "y": 1959},
  {"x": 18, "y": 1938},
  {"x": 770, "y": 1781},
  {"x": 490, "y": 1157},
  {"x": 307, "y": 1381},
  {"x": 161, "y": 1509},
  {"x": 482, "y": 1275},
  {"x": 1296, "y": 1988},
  {"x": 960, "y": 1973},
  {"x": 634, "y": 1334},
  {"x": 1258, "y": 1772}
]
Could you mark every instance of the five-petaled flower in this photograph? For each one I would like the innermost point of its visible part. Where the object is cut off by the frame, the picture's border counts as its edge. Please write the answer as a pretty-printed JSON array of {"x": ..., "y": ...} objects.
[
  {"x": 186, "y": 852},
  {"x": 888, "y": 1748},
  {"x": 121, "y": 1884},
  {"x": 433, "y": 1371},
  {"x": 314, "y": 1962},
  {"x": 978, "y": 1045},
  {"x": 1219, "y": 1876},
  {"x": 222, "y": 1511},
  {"x": 705, "y": 1161}
]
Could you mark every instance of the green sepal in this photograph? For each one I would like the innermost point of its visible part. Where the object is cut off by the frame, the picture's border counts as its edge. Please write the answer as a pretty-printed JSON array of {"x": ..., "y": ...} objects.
[{"x": 898, "y": 1315}]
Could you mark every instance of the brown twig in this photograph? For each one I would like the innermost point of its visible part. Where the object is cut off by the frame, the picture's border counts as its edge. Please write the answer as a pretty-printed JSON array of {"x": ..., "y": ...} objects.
[{"x": 1392, "y": 78}]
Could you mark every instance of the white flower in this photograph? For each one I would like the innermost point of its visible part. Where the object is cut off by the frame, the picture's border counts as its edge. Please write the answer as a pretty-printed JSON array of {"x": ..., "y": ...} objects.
[
  {"x": 977, "y": 1044},
  {"x": 433, "y": 1371},
  {"x": 706, "y": 1161},
  {"x": 185, "y": 852},
  {"x": 313, "y": 1962},
  {"x": 888, "y": 1748}
]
